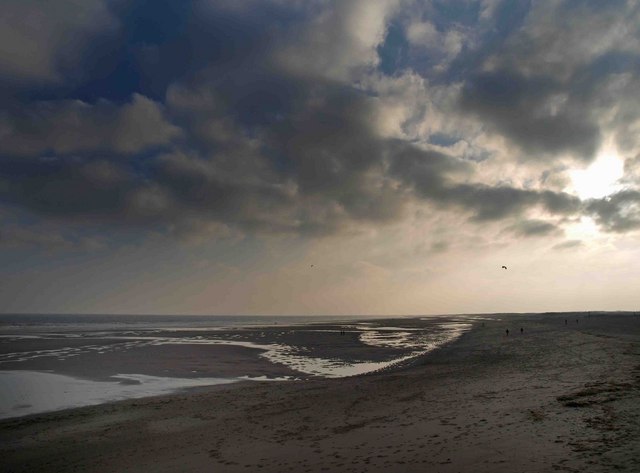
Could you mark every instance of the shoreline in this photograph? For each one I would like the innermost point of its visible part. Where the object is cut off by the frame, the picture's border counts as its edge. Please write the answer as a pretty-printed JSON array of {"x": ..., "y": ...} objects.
[
  {"x": 46, "y": 371},
  {"x": 555, "y": 398},
  {"x": 103, "y": 389}
]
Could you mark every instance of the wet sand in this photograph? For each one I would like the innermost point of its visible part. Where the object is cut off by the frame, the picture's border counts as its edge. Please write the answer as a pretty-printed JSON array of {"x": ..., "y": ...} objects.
[
  {"x": 220, "y": 353},
  {"x": 554, "y": 398},
  {"x": 181, "y": 361}
]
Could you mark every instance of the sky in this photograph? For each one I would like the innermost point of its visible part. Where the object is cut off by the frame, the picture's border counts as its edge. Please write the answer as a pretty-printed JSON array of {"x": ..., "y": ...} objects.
[{"x": 374, "y": 157}]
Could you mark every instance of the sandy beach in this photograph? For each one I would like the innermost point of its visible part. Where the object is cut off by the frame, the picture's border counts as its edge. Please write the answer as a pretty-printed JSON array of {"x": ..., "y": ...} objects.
[{"x": 557, "y": 397}]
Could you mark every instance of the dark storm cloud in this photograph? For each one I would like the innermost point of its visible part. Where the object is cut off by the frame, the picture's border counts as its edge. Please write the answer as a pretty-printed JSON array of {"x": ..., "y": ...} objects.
[
  {"x": 43, "y": 42},
  {"x": 67, "y": 187},
  {"x": 619, "y": 212},
  {"x": 206, "y": 190},
  {"x": 427, "y": 172},
  {"x": 632, "y": 170},
  {"x": 71, "y": 126},
  {"x": 522, "y": 109},
  {"x": 250, "y": 115},
  {"x": 496, "y": 203},
  {"x": 330, "y": 149},
  {"x": 547, "y": 88}
]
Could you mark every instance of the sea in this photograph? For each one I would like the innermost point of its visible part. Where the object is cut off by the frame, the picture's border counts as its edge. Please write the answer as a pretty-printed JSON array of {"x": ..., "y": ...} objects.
[{"x": 55, "y": 362}]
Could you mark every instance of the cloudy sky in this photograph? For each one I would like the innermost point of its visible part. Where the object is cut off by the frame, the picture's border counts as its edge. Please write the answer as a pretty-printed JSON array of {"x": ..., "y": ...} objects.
[{"x": 318, "y": 156}]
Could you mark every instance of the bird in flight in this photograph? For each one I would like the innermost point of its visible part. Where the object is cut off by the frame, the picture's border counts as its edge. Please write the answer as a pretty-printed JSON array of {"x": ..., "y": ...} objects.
[{"x": 504, "y": 267}]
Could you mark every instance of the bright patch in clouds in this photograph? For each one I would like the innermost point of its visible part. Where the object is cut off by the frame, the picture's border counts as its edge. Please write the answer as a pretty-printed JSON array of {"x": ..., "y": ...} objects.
[
  {"x": 584, "y": 229},
  {"x": 601, "y": 178}
]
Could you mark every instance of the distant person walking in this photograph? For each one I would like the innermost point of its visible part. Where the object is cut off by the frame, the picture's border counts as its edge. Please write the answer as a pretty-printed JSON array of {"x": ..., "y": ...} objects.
[
  {"x": 521, "y": 330},
  {"x": 507, "y": 332}
]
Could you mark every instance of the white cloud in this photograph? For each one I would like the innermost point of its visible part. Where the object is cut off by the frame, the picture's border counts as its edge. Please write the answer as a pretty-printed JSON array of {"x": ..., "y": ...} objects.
[
  {"x": 437, "y": 47},
  {"x": 422, "y": 33}
]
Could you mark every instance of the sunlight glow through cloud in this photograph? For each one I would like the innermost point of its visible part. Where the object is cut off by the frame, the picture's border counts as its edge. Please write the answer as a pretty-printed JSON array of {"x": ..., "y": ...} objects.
[
  {"x": 584, "y": 229},
  {"x": 600, "y": 179}
]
